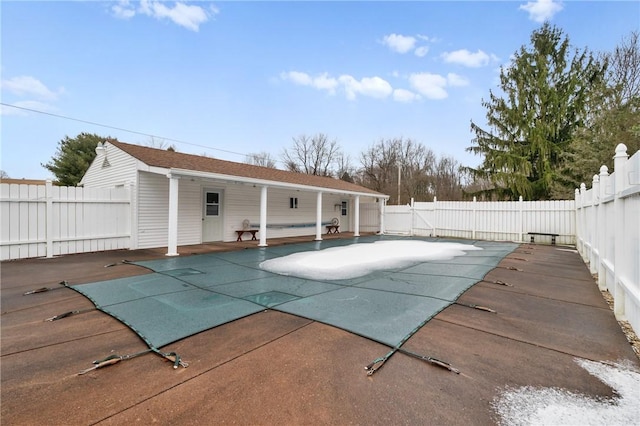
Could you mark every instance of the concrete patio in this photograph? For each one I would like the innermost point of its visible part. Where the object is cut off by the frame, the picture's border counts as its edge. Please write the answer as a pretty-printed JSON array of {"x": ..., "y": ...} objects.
[{"x": 276, "y": 368}]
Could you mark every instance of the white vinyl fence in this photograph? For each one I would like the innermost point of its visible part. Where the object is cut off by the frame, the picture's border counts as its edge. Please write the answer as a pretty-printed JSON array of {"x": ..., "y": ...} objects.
[
  {"x": 490, "y": 220},
  {"x": 48, "y": 220},
  {"x": 608, "y": 232}
]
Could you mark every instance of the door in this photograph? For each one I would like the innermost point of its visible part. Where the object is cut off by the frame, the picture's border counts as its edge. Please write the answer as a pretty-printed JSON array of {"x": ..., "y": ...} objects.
[
  {"x": 344, "y": 216},
  {"x": 212, "y": 216}
]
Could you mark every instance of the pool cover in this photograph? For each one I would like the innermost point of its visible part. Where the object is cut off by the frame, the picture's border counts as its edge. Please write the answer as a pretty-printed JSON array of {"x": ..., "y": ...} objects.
[{"x": 186, "y": 295}]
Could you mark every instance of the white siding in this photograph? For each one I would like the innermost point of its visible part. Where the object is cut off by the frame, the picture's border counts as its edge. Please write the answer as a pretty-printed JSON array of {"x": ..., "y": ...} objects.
[
  {"x": 243, "y": 202},
  {"x": 153, "y": 211},
  {"x": 122, "y": 169}
]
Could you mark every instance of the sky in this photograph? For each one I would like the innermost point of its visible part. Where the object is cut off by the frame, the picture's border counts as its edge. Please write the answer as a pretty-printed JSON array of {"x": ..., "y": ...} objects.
[{"x": 227, "y": 79}]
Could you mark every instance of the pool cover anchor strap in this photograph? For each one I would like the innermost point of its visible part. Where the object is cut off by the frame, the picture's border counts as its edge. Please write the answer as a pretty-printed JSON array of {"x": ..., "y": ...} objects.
[
  {"x": 68, "y": 314},
  {"x": 478, "y": 307},
  {"x": 114, "y": 359},
  {"x": 44, "y": 289},
  {"x": 378, "y": 363}
]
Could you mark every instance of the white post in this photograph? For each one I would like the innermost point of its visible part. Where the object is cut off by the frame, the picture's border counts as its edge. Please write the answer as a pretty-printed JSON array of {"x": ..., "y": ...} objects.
[
  {"x": 49, "y": 216},
  {"x": 602, "y": 228},
  {"x": 382, "y": 202},
  {"x": 583, "y": 220},
  {"x": 356, "y": 219},
  {"x": 412, "y": 207},
  {"x": 435, "y": 216},
  {"x": 595, "y": 207},
  {"x": 172, "y": 243},
  {"x": 618, "y": 205},
  {"x": 319, "y": 216},
  {"x": 473, "y": 219},
  {"x": 577, "y": 219},
  {"x": 263, "y": 217},
  {"x": 521, "y": 219}
]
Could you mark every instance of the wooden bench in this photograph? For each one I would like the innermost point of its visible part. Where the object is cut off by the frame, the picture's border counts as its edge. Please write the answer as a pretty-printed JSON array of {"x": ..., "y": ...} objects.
[
  {"x": 553, "y": 236},
  {"x": 333, "y": 229},
  {"x": 253, "y": 233}
]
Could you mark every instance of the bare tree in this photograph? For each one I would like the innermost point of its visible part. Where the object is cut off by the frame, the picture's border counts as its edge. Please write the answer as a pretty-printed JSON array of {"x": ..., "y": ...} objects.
[
  {"x": 623, "y": 73},
  {"x": 312, "y": 155},
  {"x": 400, "y": 167},
  {"x": 4, "y": 175},
  {"x": 263, "y": 159},
  {"x": 160, "y": 143},
  {"x": 344, "y": 168},
  {"x": 448, "y": 179}
]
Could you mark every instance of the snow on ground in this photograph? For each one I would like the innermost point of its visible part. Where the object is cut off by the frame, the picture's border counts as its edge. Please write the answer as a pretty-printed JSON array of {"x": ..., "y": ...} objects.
[
  {"x": 356, "y": 260},
  {"x": 551, "y": 406}
]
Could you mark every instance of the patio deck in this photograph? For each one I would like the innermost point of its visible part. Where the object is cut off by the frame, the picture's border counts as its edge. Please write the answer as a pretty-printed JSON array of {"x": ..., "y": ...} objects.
[{"x": 276, "y": 368}]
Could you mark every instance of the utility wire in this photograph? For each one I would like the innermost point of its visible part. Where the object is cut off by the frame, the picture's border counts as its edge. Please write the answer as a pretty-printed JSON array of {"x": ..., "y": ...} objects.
[{"x": 121, "y": 129}]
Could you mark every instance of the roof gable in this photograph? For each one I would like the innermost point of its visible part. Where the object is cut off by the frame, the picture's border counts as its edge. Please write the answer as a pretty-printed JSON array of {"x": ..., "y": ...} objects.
[{"x": 176, "y": 160}]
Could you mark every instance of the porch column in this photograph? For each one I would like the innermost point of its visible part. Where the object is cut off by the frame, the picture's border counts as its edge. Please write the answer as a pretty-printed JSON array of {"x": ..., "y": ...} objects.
[
  {"x": 382, "y": 203},
  {"x": 319, "y": 217},
  {"x": 172, "y": 244},
  {"x": 356, "y": 219},
  {"x": 263, "y": 217}
]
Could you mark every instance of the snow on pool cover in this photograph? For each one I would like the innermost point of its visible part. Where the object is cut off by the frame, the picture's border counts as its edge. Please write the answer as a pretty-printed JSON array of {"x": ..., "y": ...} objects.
[{"x": 380, "y": 288}]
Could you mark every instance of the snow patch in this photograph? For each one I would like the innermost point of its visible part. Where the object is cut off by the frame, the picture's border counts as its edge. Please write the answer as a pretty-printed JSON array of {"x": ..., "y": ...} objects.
[
  {"x": 545, "y": 406},
  {"x": 356, "y": 260}
]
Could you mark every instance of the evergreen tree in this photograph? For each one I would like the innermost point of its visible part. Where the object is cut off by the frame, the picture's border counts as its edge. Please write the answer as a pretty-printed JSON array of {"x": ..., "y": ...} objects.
[
  {"x": 73, "y": 157},
  {"x": 546, "y": 92}
]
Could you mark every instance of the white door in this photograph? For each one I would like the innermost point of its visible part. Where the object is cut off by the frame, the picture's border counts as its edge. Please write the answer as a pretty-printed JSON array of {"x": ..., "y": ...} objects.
[
  {"x": 212, "y": 215},
  {"x": 345, "y": 226}
]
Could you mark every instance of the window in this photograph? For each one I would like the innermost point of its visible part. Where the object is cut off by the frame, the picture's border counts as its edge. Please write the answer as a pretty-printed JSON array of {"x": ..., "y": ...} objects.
[
  {"x": 293, "y": 203},
  {"x": 212, "y": 204},
  {"x": 344, "y": 208}
]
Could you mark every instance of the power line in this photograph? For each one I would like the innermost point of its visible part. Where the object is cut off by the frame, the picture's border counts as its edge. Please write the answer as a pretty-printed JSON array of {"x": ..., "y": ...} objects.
[{"x": 120, "y": 128}]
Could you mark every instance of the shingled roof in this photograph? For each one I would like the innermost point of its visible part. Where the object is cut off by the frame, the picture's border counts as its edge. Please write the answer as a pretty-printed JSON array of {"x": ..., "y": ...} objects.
[{"x": 176, "y": 160}]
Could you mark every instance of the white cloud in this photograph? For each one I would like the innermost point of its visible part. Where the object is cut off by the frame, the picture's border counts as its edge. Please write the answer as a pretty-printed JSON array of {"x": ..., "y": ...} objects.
[
  {"x": 187, "y": 16},
  {"x": 299, "y": 78},
  {"x": 542, "y": 10},
  {"x": 29, "y": 86},
  {"x": 468, "y": 59},
  {"x": 421, "y": 51},
  {"x": 374, "y": 87},
  {"x": 405, "y": 96},
  {"x": 399, "y": 43},
  {"x": 432, "y": 86},
  {"x": 456, "y": 80},
  {"x": 321, "y": 82},
  {"x": 123, "y": 10}
]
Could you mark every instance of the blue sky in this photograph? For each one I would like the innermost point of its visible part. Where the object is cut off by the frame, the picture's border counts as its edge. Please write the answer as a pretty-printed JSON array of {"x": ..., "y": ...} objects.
[{"x": 232, "y": 78}]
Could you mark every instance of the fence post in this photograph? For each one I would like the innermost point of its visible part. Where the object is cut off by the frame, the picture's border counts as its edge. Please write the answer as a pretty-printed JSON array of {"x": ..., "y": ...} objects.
[
  {"x": 48, "y": 194},
  {"x": 602, "y": 229},
  {"x": 578, "y": 212},
  {"x": 473, "y": 219},
  {"x": 521, "y": 219},
  {"x": 595, "y": 207},
  {"x": 583, "y": 221},
  {"x": 618, "y": 205},
  {"x": 435, "y": 216}
]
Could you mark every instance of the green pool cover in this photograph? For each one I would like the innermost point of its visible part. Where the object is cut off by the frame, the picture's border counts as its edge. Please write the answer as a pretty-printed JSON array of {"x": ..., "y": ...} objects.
[{"x": 186, "y": 295}]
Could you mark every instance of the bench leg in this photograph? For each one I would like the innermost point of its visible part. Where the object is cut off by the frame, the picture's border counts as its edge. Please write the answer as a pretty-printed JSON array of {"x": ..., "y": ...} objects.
[
  {"x": 553, "y": 240},
  {"x": 532, "y": 239}
]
